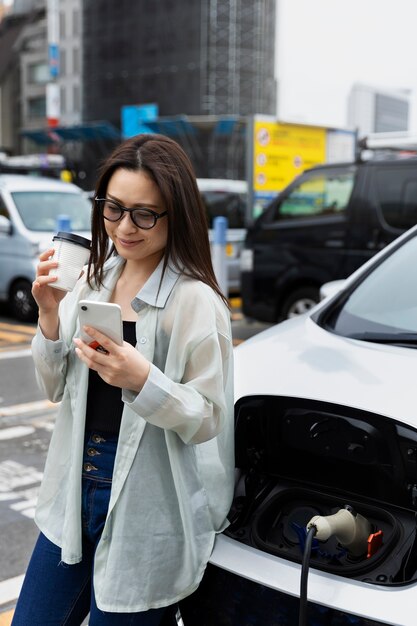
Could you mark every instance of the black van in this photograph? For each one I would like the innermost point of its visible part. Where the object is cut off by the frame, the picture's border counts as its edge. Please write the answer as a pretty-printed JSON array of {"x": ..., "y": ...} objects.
[{"x": 322, "y": 227}]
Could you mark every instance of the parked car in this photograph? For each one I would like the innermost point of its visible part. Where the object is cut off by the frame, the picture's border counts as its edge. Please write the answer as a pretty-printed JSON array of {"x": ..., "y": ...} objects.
[
  {"x": 326, "y": 418},
  {"x": 227, "y": 198},
  {"x": 32, "y": 209},
  {"x": 322, "y": 227}
]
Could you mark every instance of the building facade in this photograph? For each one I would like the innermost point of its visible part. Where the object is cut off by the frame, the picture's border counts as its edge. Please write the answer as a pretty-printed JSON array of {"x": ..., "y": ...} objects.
[
  {"x": 70, "y": 61},
  {"x": 203, "y": 59},
  {"x": 373, "y": 110},
  {"x": 194, "y": 57}
]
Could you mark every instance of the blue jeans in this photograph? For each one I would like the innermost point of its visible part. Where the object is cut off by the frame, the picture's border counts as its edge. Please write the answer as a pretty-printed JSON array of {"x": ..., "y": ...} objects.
[{"x": 57, "y": 594}]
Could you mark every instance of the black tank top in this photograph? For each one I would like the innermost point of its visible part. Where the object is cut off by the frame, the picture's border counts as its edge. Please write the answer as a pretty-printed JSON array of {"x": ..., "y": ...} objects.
[{"x": 104, "y": 401}]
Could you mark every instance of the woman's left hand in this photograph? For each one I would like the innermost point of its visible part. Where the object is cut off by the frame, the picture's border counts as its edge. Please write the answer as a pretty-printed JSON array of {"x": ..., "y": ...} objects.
[{"x": 120, "y": 366}]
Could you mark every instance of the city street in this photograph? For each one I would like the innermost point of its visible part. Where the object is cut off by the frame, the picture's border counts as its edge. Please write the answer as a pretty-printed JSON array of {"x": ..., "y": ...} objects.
[{"x": 26, "y": 422}]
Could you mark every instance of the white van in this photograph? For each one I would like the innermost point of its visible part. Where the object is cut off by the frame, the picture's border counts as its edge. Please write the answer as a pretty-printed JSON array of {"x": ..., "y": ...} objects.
[
  {"x": 227, "y": 198},
  {"x": 32, "y": 209}
]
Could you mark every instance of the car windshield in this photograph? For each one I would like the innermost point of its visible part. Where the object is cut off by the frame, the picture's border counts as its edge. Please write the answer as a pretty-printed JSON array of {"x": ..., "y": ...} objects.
[
  {"x": 226, "y": 204},
  {"x": 383, "y": 307},
  {"x": 40, "y": 210}
]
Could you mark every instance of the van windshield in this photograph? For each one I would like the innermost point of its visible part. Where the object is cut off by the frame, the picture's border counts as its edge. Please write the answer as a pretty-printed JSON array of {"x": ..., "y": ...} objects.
[
  {"x": 40, "y": 210},
  {"x": 319, "y": 194},
  {"x": 225, "y": 204}
]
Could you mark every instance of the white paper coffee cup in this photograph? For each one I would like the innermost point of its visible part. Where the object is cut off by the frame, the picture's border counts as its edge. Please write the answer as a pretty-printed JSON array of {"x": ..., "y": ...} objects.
[{"x": 72, "y": 253}]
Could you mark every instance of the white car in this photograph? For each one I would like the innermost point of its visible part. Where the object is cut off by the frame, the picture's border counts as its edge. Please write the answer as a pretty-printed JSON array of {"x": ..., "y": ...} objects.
[
  {"x": 32, "y": 210},
  {"x": 326, "y": 436}
]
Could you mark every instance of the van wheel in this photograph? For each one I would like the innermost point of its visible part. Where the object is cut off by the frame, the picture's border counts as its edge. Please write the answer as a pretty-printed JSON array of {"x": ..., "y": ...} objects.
[
  {"x": 22, "y": 303},
  {"x": 299, "y": 301}
]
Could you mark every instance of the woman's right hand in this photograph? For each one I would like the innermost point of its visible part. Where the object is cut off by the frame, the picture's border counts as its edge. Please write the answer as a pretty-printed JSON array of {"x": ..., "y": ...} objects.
[{"x": 47, "y": 297}]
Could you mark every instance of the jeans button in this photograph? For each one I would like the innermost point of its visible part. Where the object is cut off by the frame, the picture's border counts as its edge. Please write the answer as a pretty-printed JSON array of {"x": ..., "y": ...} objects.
[
  {"x": 97, "y": 439},
  {"x": 92, "y": 452},
  {"x": 89, "y": 467}
]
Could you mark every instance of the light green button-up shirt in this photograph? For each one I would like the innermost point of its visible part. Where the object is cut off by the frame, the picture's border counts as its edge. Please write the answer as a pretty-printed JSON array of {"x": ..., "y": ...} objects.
[{"x": 174, "y": 470}]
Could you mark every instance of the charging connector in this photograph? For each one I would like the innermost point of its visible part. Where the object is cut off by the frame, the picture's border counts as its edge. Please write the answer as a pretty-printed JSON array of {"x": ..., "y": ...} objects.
[{"x": 350, "y": 528}]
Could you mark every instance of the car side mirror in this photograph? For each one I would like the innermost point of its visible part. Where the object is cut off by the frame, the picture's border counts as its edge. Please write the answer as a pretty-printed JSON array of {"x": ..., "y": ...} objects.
[{"x": 5, "y": 225}]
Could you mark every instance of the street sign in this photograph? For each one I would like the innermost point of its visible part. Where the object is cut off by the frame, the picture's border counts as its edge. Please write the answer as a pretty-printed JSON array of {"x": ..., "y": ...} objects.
[{"x": 134, "y": 118}]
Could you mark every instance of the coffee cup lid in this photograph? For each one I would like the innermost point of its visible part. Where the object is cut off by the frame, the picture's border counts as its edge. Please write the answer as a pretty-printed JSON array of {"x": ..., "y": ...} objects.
[{"x": 81, "y": 241}]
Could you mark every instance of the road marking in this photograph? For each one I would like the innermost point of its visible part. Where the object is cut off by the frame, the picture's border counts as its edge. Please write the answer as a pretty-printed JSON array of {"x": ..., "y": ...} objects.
[
  {"x": 29, "y": 330},
  {"x": 6, "y": 618},
  {"x": 15, "y": 354},
  {"x": 14, "y": 476},
  {"x": 15, "y": 431},
  {"x": 7, "y": 335},
  {"x": 15, "y": 336},
  {"x": 27, "y": 407},
  {"x": 10, "y": 589}
]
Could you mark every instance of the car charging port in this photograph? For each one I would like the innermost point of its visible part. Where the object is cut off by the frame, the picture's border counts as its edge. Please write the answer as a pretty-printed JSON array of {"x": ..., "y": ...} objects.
[
  {"x": 354, "y": 539},
  {"x": 351, "y": 530}
]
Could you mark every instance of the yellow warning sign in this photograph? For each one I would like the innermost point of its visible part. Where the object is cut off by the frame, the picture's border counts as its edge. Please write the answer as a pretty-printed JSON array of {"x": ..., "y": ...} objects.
[{"x": 283, "y": 151}]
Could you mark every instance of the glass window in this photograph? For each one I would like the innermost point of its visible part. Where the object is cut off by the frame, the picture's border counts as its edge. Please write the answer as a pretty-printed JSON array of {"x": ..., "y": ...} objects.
[
  {"x": 321, "y": 194},
  {"x": 76, "y": 22},
  {"x": 385, "y": 302},
  {"x": 397, "y": 195},
  {"x": 76, "y": 99},
  {"x": 62, "y": 25},
  {"x": 38, "y": 73},
  {"x": 63, "y": 98},
  {"x": 76, "y": 56},
  {"x": 62, "y": 62},
  {"x": 225, "y": 204},
  {"x": 39, "y": 210},
  {"x": 37, "y": 107}
]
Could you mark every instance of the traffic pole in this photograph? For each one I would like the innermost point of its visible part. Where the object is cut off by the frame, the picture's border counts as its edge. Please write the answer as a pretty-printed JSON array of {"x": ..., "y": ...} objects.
[{"x": 219, "y": 257}]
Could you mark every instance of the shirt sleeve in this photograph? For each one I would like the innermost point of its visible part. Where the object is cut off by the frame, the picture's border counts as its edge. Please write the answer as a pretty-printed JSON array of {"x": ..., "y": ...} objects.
[
  {"x": 51, "y": 365},
  {"x": 196, "y": 407}
]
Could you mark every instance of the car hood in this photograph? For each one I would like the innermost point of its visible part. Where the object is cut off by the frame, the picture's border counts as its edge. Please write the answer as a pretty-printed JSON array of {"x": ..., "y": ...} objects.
[{"x": 298, "y": 358}]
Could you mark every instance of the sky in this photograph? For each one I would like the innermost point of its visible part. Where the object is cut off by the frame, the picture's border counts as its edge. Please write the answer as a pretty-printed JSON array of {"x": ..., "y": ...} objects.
[{"x": 325, "y": 46}]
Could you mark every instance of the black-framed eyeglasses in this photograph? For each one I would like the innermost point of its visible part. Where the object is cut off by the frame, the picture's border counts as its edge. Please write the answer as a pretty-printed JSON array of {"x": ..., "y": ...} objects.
[{"x": 142, "y": 218}]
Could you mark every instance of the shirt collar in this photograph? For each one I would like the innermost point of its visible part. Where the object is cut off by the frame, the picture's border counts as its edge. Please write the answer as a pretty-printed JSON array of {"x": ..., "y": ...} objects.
[{"x": 158, "y": 287}]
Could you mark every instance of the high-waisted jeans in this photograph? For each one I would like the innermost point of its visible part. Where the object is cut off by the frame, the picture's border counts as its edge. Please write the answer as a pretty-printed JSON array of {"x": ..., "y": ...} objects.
[{"x": 57, "y": 594}]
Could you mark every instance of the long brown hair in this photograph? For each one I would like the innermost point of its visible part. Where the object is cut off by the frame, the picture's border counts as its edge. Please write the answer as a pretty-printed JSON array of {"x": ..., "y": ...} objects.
[{"x": 170, "y": 168}]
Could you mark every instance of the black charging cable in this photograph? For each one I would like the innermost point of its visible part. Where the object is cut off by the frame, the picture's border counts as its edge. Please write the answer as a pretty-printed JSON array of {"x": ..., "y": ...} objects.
[{"x": 302, "y": 620}]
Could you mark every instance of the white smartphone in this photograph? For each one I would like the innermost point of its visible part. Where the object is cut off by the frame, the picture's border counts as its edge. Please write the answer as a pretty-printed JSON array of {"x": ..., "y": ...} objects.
[{"x": 106, "y": 317}]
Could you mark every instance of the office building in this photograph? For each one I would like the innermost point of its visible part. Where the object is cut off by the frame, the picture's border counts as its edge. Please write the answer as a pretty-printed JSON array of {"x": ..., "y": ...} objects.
[
  {"x": 373, "y": 110},
  {"x": 194, "y": 57}
]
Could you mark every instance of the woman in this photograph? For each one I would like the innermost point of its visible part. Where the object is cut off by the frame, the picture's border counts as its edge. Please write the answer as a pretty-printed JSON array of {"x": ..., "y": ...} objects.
[{"x": 139, "y": 473}]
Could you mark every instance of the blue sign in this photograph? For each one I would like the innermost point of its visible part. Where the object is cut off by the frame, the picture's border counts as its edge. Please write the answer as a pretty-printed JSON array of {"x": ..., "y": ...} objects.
[
  {"x": 53, "y": 57},
  {"x": 134, "y": 118},
  {"x": 63, "y": 223}
]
